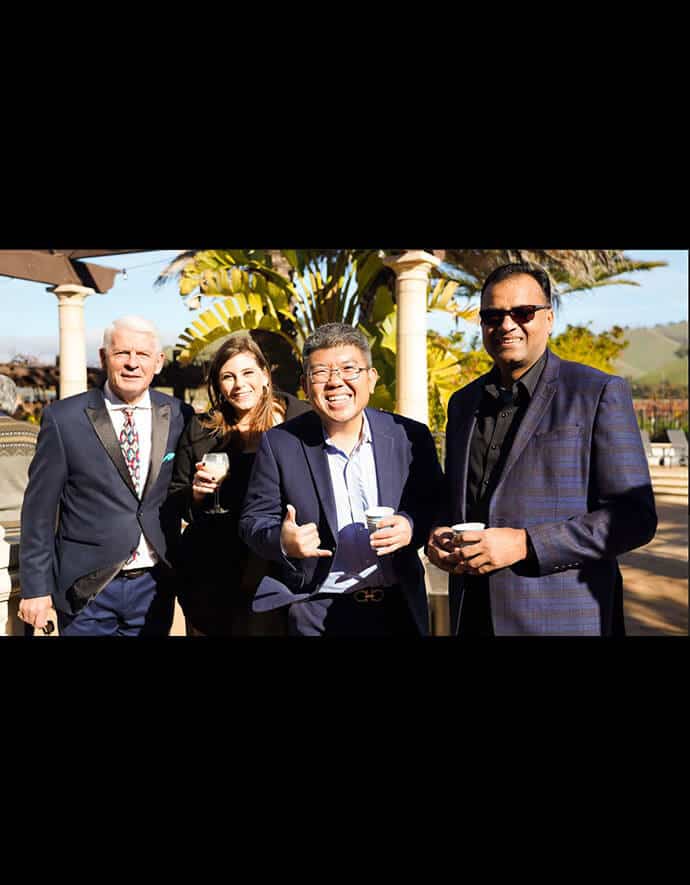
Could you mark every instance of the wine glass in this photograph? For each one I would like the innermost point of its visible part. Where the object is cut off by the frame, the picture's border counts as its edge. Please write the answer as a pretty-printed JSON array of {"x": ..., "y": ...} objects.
[{"x": 217, "y": 464}]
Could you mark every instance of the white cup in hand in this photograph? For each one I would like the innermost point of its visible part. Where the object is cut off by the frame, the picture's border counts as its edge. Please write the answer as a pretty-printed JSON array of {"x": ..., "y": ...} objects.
[
  {"x": 460, "y": 527},
  {"x": 374, "y": 515}
]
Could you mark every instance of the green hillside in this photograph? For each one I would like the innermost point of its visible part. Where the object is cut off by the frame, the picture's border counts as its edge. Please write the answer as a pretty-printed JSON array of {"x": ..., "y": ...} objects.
[
  {"x": 674, "y": 372},
  {"x": 652, "y": 351},
  {"x": 677, "y": 331}
]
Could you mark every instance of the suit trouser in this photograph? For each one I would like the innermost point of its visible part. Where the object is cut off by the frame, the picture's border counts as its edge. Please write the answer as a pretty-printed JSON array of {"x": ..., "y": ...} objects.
[
  {"x": 343, "y": 615},
  {"x": 475, "y": 615},
  {"x": 140, "y": 606}
]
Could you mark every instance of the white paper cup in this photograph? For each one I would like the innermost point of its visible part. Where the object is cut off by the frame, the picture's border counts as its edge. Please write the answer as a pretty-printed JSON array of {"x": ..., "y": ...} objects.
[
  {"x": 465, "y": 527},
  {"x": 375, "y": 514}
]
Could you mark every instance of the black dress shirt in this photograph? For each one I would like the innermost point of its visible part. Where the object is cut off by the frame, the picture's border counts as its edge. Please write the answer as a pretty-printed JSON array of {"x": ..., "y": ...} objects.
[{"x": 498, "y": 418}]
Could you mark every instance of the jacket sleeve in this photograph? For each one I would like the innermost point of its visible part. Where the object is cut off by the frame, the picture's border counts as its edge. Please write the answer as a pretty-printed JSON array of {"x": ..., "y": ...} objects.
[
  {"x": 263, "y": 510},
  {"x": 191, "y": 447},
  {"x": 47, "y": 477},
  {"x": 420, "y": 497},
  {"x": 622, "y": 515},
  {"x": 449, "y": 489}
]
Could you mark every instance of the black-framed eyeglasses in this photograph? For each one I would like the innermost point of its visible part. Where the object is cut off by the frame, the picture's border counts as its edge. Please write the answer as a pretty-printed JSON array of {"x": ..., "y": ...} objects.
[
  {"x": 524, "y": 313},
  {"x": 347, "y": 373}
]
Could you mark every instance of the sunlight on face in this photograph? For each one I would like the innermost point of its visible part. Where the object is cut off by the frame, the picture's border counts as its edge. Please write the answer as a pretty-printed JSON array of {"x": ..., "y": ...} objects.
[
  {"x": 516, "y": 346},
  {"x": 131, "y": 361},
  {"x": 339, "y": 402},
  {"x": 243, "y": 382}
]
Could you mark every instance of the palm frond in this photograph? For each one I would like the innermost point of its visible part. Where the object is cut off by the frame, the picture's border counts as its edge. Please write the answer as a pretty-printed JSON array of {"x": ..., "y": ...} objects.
[{"x": 175, "y": 268}]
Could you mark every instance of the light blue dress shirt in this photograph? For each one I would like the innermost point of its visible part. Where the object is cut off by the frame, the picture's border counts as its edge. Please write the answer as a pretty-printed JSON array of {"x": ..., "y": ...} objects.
[{"x": 355, "y": 563}]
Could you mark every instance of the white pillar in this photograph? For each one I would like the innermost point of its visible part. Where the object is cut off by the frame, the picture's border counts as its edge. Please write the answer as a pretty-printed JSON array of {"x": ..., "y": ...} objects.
[
  {"x": 411, "y": 284},
  {"x": 72, "y": 337}
]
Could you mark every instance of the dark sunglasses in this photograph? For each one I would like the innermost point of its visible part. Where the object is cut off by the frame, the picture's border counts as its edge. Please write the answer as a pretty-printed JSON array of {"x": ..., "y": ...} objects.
[{"x": 492, "y": 316}]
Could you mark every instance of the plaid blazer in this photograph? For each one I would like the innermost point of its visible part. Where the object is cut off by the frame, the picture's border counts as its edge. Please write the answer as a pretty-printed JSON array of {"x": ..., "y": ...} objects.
[{"x": 577, "y": 479}]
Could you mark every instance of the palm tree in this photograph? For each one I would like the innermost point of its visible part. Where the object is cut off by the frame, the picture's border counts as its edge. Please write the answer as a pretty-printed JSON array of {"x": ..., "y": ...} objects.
[
  {"x": 300, "y": 289},
  {"x": 291, "y": 292},
  {"x": 569, "y": 270}
]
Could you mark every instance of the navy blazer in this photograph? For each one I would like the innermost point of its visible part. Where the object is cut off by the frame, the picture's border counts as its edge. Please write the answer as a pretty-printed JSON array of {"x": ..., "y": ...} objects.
[
  {"x": 81, "y": 513},
  {"x": 577, "y": 478},
  {"x": 291, "y": 467}
]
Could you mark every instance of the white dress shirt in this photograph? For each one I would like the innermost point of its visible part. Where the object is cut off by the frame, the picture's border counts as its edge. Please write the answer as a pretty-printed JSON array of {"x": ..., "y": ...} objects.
[
  {"x": 355, "y": 489},
  {"x": 146, "y": 555}
]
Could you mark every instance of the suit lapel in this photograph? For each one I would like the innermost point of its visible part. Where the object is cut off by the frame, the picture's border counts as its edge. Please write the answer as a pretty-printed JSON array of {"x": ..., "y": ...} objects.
[
  {"x": 462, "y": 441},
  {"x": 160, "y": 421},
  {"x": 100, "y": 420},
  {"x": 313, "y": 445},
  {"x": 386, "y": 475},
  {"x": 543, "y": 395}
]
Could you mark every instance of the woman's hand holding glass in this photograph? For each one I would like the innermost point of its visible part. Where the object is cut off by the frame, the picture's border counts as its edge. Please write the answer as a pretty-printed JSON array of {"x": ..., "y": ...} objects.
[
  {"x": 203, "y": 483},
  {"x": 210, "y": 473}
]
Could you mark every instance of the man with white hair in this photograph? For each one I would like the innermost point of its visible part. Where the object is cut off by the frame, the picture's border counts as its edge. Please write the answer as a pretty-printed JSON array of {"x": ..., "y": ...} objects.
[
  {"x": 94, "y": 536},
  {"x": 17, "y": 447}
]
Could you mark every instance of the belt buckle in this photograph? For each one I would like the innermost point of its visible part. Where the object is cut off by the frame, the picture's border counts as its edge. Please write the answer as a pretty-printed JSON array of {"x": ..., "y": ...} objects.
[
  {"x": 369, "y": 595},
  {"x": 132, "y": 573}
]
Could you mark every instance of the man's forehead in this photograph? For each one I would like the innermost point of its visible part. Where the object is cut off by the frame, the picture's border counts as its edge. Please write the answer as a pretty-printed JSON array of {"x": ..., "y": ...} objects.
[
  {"x": 339, "y": 354},
  {"x": 124, "y": 337},
  {"x": 516, "y": 286}
]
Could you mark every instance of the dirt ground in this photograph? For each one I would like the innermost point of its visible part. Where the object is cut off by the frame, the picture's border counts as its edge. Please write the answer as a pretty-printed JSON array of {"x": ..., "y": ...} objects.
[{"x": 655, "y": 577}]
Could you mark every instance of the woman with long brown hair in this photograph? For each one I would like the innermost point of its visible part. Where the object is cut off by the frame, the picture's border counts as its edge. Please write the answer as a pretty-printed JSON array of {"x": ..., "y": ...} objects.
[{"x": 218, "y": 573}]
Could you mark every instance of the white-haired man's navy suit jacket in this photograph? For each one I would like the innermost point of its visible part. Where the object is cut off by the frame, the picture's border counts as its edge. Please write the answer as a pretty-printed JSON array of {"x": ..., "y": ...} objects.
[
  {"x": 291, "y": 467},
  {"x": 577, "y": 479},
  {"x": 81, "y": 516}
]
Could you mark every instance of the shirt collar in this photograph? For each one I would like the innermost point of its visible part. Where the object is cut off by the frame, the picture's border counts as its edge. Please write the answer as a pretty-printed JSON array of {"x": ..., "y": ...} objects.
[
  {"x": 114, "y": 402},
  {"x": 364, "y": 437},
  {"x": 526, "y": 383}
]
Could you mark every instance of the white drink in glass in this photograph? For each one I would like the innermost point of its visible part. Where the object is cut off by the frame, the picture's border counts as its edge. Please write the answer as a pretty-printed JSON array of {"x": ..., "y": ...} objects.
[{"x": 217, "y": 464}]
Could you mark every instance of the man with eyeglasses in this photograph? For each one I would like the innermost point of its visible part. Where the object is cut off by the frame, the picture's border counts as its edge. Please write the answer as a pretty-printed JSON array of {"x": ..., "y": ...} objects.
[
  {"x": 314, "y": 478},
  {"x": 547, "y": 454}
]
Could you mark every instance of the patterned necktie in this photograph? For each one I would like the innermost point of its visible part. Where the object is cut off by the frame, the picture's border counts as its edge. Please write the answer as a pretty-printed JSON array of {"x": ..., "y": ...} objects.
[{"x": 129, "y": 442}]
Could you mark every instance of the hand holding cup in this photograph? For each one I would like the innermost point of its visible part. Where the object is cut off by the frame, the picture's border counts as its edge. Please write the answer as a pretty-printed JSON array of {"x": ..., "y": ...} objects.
[{"x": 388, "y": 531}]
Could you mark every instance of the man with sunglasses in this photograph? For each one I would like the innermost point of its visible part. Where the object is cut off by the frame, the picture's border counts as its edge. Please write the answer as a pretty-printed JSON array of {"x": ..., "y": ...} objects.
[
  {"x": 547, "y": 454},
  {"x": 312, "y": 482}
]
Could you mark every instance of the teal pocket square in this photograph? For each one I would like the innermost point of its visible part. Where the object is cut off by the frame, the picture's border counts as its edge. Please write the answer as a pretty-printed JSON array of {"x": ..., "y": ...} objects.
[{"x": 168, "y": 457}]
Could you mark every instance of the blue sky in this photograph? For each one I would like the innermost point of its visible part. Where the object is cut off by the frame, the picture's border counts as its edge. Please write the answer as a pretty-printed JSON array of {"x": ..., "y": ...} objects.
[{"x": 29, "y": 322}]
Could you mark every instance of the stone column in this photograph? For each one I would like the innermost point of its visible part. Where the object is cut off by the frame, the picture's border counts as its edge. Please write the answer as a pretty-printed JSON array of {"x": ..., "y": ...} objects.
[
  {"x": 72, "y": 337},
  {"x": 412, "y": 280}
]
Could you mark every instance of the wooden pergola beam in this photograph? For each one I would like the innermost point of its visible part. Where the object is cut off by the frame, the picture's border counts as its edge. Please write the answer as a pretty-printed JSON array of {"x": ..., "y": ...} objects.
[
  {"x": 56, "y": 269},
  {"x": 93, "y": 253}
]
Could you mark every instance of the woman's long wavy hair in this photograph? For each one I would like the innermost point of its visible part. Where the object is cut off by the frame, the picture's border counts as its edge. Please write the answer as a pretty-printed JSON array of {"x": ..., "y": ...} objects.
[{"x": 222, "y": 419}]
